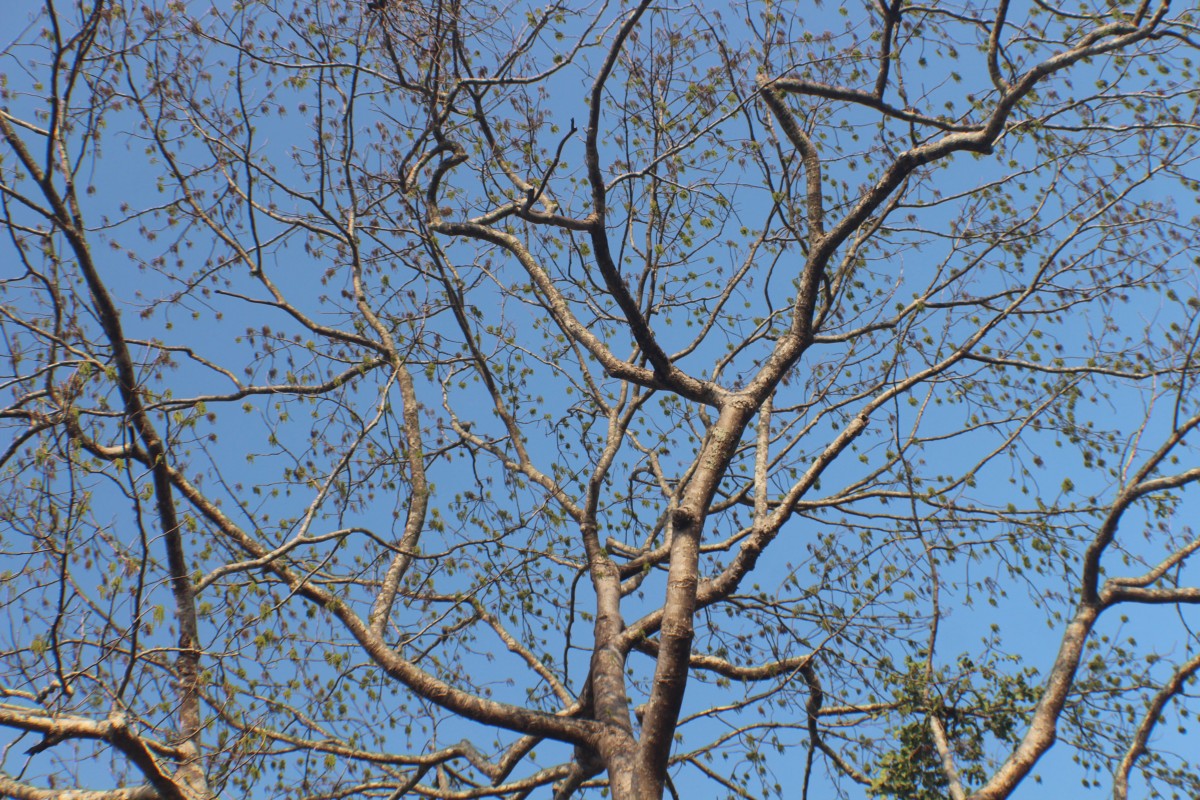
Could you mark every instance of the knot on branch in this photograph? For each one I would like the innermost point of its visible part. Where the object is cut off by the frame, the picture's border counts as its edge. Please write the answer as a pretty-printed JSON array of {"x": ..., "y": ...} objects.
[{"x": 683, "y": 519}]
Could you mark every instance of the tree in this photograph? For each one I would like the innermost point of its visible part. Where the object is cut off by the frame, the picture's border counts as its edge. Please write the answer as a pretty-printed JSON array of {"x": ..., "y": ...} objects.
[{"x": 416, "y": 398}]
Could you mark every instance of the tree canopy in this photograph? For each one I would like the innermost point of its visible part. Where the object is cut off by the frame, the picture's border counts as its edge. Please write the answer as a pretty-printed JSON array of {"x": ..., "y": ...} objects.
[{"x": 448, "y": 399}]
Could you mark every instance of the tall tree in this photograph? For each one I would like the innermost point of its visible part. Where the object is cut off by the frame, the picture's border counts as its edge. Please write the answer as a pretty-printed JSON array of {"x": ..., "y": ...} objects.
[{"x": 429, "y": 398}]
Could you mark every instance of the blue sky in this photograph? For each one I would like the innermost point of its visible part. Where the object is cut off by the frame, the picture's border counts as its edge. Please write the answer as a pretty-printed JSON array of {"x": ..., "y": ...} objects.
[{"x": 263, "y": 441}]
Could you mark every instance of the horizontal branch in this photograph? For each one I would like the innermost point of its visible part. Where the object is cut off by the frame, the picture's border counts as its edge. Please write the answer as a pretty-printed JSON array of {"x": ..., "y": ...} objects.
[
  {"x": 115, "y": 730},
  {"x": 1117, "y": 593},
  {"x": 23, "y": 791},
  {"x": 727, "y": 669}
]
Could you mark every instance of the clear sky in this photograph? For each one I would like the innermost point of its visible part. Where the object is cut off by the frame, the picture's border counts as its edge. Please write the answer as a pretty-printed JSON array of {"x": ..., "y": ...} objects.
[{"x": 710, "y": 218}]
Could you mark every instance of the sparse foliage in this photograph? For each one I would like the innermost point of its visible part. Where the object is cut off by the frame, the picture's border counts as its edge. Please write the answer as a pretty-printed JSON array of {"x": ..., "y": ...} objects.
[{"x": 415, "y": 397}]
